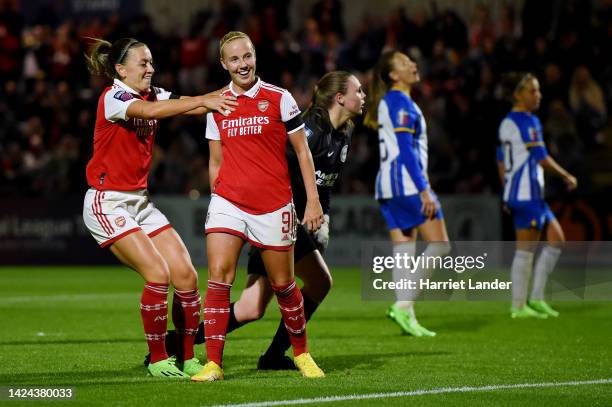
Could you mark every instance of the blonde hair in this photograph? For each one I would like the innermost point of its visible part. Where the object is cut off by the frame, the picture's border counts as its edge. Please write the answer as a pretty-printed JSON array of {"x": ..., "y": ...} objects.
[
  {"x": 231, "y": 36},
  {"x": 103, "y": 55},
  {"x": 584, "y": 88},
  {"x": 380, "y": 84},
  {"x": 513, "y": 82}
]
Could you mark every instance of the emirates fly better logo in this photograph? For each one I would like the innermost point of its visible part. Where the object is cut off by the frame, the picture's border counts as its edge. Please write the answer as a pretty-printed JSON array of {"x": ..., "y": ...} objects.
[{"x": 244, "y": 126}]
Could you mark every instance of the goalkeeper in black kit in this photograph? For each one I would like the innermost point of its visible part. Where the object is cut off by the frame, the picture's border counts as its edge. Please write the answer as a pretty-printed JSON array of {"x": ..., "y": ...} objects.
[{"x": 337, "y": 98}]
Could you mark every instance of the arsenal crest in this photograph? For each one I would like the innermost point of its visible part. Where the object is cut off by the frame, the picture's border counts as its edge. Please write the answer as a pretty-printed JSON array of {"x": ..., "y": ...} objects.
[
  {"x": 262, "y": 105},
  {"x": 120, "y": 221}
]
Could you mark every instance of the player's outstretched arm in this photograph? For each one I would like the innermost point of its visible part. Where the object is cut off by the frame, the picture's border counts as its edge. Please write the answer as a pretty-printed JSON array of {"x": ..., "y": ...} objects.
[
  {"x": 161, "y": 109},
  {"x": 549, "y": 164},
  {"x": 214, "y": 101},
  {"x": 313, "y": 215}
]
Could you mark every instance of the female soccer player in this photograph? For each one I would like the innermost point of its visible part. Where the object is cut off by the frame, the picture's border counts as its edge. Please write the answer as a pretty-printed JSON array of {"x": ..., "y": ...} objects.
[
  {"x": 117, "y": 209},
  {"x": 402, "y": 188},
  {"x": 522, "y": 159},
  {"x": 252, "y": 201},
  {"x": 338, "y": 97}
]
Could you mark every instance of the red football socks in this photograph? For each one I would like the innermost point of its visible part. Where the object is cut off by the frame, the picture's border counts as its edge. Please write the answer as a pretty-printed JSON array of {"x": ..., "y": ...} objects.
[
  {"x": 291, "y": 307},
  {"x": 154, "y": 312},
  {"x": 216, "y": 317},
  {"x": 186, "y": 317}
]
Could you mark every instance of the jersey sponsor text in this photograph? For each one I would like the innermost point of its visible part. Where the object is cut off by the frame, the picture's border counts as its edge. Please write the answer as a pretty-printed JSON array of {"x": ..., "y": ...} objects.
[{"x": 244, "y": 126}]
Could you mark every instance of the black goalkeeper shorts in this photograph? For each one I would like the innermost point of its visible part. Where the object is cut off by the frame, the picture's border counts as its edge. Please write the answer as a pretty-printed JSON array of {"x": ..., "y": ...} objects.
[{"x": 304, "y": 245}]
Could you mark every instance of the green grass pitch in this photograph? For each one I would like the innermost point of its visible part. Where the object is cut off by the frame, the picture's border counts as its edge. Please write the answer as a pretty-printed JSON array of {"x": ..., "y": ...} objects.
[{"x": 80, "y": 327}]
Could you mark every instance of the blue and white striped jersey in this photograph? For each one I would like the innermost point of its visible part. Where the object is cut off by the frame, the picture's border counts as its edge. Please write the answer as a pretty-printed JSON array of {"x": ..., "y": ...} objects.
[
  {"x": 521, "y": 148},
  {"x": 402, "y": 136}
]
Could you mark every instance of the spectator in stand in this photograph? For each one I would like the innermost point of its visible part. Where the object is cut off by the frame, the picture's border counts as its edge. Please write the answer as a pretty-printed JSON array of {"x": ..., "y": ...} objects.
[{"x": 588, "y": 106}]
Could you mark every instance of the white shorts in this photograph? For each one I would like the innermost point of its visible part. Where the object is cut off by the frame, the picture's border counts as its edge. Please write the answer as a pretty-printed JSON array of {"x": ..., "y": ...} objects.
[
  {"x": 274, "y": 230},
  {"x": 111, "y": 215}
]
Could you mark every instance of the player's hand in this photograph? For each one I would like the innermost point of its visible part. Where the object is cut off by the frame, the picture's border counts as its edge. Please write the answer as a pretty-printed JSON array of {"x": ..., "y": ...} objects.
[
  {"x": 224, "y": 104},
  {"x": 570, "y": 181},
  {"x": 321, "y": 236},
  {"x": 428, "y": 207},
  {"x": 313, "y": 215}
]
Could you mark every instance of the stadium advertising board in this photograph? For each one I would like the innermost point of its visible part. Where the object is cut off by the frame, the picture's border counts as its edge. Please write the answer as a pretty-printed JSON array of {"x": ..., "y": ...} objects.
[
  {"x": 46, "y": 10},
  {"x": 47, "y": 233},
  {"x": 33, "y": 232}
]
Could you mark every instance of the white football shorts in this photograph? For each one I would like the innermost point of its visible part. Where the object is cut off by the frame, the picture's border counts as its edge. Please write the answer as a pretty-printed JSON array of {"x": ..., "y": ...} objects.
[
  {"x": 274, "y": 230},
  {"x": 111, "y": 215}
]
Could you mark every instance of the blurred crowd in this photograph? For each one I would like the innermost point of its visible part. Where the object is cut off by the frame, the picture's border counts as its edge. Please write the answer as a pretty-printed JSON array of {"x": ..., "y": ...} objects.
[{"x": 48, "y": 99}]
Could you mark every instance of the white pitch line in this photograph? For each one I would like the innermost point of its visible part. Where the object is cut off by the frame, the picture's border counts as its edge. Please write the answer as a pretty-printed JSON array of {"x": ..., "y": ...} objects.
[{"x": 443, "y": 390}]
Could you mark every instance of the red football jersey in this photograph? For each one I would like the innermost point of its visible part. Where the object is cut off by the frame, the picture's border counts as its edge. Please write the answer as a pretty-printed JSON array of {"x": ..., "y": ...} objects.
[
  {"x": 254, "y": 174},
  {"x": 123, "y": 146}
]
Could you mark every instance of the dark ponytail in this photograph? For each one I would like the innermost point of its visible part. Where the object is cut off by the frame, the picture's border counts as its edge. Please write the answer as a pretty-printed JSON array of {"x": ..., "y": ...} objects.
[
  {"x": 380, "y": 84},
  {"x": 104, "y": 55}
]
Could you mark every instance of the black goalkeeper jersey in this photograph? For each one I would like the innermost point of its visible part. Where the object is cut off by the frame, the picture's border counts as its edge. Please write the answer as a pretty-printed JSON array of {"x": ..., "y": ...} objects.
[{"x": 329, "y": 148}]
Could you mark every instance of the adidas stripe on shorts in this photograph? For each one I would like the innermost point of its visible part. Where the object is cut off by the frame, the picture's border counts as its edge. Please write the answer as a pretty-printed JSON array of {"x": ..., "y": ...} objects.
[{"x": 111, "y": 215}]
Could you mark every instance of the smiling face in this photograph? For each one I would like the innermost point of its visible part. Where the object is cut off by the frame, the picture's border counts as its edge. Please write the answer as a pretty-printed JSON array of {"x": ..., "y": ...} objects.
[
  {"x": 354, "y": 98},
  {"x": 137, "y": 69},
  {"x": 404, "y": 72},
  {"x": 238, "y": 58},
  {"x": 528, "y": 95}
]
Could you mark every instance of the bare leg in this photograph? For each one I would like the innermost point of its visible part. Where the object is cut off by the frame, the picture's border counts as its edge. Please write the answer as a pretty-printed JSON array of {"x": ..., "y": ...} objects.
[
  {"x": 313, "y": 271},
  {"x": 223, "y": 250},
  {"x": 138, "y": 252},
  {"x": 182, "y": 273},
  {"x": 279, "y": 265},
  {"x": 254, "y": 299},
  {"x": 434, "y": 230},
  {"x": 554, "y": 233}
]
